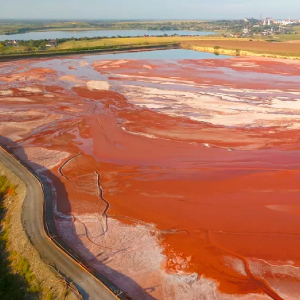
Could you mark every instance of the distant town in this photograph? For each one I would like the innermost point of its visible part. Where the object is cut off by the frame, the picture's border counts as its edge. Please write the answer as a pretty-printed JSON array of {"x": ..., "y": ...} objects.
[{"x": 265, "y": 27}]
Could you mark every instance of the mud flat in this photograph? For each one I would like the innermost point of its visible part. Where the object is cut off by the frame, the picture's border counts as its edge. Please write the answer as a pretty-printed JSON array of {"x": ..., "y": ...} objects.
[{"x": 176, "y": 179}]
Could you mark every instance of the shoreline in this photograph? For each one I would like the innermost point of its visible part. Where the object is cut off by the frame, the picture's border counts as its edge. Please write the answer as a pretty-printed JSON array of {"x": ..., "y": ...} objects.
[
  {"x": 101, "y": 29},
  {"x": 8, "y": 58},
  {"x": 208, "y": 49},
  {"x": 241, "y": 53}
]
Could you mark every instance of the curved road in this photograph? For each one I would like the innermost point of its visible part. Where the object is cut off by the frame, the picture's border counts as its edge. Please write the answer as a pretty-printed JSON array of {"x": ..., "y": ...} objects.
[{"x": 32, "y": 216}]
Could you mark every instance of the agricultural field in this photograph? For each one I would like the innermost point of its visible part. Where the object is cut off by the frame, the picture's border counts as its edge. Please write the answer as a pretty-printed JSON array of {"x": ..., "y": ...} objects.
[
  {"x": 131, "y": 41},
  {"x": 114, "y": 42},
  {"x": 255, "y": 46},
  {"x": 283, "y": 37}
]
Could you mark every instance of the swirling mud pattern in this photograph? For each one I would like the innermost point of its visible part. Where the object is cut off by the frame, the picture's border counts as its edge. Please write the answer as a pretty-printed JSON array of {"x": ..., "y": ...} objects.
[{"x": 180, "y": 175}]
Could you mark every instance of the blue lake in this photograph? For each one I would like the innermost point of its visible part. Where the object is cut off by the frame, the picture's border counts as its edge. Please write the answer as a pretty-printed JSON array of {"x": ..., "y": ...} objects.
[{"x": 39, "y": 35}]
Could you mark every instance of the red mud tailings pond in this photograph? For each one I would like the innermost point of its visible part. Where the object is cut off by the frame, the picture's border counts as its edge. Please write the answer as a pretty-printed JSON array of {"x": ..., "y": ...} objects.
[{"x": 176, "y": 179}]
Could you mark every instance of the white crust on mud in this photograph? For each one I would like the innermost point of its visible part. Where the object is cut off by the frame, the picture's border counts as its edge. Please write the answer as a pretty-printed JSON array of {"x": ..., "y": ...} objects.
[
  {"x": 6, "y": 93},
  {"x": 135, "y": 250},
  {"x": 98, "y": 85},
  {"x": 30, "y": 89},
  {"x": 46, "y": 159}
]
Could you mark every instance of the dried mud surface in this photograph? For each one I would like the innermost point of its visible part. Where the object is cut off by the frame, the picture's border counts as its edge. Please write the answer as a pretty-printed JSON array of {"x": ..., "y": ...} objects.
[{"x": 175, "y": 179}]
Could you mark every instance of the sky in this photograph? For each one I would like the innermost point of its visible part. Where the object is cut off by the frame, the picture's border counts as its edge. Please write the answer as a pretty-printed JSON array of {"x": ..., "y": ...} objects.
[{"x": 148, "y": 9}]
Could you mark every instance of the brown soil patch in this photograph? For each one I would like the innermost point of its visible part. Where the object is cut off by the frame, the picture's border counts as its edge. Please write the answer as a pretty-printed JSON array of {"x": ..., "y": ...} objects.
[{"x": 256, "y": 46}]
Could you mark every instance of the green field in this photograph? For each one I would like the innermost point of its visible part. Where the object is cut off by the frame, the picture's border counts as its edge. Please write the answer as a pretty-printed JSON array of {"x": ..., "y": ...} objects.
[
  {"x": 133, "y": 41},
  {"x": 283, "y": 37}
]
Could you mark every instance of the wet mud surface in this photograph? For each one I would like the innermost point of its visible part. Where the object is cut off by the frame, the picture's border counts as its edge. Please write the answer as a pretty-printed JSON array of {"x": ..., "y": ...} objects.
[{"x": 181, "y": 174}]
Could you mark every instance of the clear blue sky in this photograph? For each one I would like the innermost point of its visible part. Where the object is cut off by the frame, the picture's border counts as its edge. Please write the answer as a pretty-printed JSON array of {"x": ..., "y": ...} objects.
[{"x": 148, "y": 9}]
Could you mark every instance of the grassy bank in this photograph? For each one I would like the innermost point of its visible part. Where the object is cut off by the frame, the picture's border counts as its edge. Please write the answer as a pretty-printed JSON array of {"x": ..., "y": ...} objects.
[
  {"x": 23, "y": 275},
  {"x": 17, "y": 280},
  {"x": 88, "y": 50},
  {"x": 133, "y": 41}
]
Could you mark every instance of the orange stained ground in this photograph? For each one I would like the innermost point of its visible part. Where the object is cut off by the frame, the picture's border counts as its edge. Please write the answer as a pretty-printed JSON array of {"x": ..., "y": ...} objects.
[{"x": 216, "y": 192}]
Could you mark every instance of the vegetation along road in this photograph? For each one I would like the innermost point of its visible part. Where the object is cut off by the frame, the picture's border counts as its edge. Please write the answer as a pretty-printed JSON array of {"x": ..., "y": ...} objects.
[{"x": 86, "y": 283}]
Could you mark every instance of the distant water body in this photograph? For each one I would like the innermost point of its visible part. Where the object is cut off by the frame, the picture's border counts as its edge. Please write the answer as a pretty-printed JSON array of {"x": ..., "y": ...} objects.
[
  {"x": 170, "y": 54},
  {"x": 45, "y": 35}
]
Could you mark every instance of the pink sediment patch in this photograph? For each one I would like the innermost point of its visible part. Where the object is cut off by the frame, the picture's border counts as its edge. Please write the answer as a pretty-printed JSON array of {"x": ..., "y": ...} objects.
[
  {"x": 70, "y": 78},
  {"x": 97, "y": 85}
]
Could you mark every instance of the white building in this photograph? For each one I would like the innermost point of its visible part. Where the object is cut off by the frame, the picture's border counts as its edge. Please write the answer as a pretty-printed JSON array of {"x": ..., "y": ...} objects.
[{"x": 267, "y": 21}]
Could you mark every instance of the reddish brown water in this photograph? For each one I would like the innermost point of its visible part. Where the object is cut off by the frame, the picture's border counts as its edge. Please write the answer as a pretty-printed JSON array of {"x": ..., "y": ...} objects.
[{"x": 208, "y": 151}]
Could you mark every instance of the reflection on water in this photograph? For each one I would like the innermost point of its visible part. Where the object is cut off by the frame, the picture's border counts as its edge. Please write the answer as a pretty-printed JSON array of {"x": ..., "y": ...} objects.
[
  {"x": 163, "y": 54},
  {"x": 41, "y": 35},
  {"x": 88, "y": 72}
]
